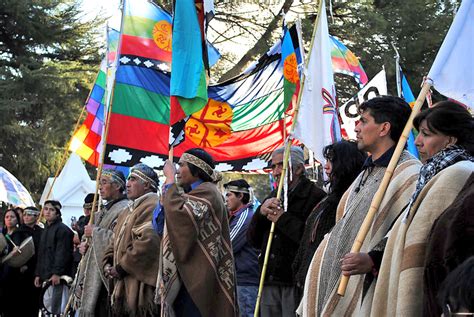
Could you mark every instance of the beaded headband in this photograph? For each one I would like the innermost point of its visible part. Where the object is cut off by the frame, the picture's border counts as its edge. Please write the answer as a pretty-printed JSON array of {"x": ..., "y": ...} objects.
[
  {"x": 196, "y": 161},
  {"x": 139, "y": 174}
]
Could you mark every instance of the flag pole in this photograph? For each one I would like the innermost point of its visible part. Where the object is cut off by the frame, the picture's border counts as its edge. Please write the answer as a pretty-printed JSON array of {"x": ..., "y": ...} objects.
[
  {"x": 374, "y": 206},
  {"x": 397, "y": 71},
  {"x": 101, "y": 162},
  {"x": 63, "y": 158},
  {"x": 286, "y": 157}
]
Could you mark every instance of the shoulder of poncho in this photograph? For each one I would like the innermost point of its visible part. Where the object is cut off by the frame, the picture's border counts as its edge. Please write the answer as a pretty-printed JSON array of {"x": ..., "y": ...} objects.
[
  {"x": 207, "y": 190},
  {"x": 407, "y": 164},
  {"x": 450, "y": 173}
]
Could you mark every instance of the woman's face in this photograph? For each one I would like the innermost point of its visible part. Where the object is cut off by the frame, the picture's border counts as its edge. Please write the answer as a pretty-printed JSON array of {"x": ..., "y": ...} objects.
[
  {"x": 10, "y": 220},
  {"x": 429, "y": 142},
  {"x": 328, "y": 168}
]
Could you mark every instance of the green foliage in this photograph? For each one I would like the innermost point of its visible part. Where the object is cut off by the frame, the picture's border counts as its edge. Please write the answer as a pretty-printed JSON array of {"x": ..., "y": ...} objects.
[{"x": 48, "y": 58}]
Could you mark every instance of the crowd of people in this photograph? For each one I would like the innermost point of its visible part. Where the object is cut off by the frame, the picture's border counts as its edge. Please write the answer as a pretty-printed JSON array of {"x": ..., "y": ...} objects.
[{"x": 186, "y": 249}]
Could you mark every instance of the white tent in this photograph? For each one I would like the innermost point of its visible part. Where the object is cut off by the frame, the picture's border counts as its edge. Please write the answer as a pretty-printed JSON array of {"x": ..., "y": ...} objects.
[{"x": 70, "y": 188}]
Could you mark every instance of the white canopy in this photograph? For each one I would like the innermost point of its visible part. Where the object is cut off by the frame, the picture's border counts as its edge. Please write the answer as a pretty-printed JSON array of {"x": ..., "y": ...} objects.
[{"x": 70, "y": 188}]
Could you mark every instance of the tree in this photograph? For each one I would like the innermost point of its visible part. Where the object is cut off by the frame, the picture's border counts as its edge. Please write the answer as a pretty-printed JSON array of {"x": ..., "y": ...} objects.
[{"x": 48, "y": 58}]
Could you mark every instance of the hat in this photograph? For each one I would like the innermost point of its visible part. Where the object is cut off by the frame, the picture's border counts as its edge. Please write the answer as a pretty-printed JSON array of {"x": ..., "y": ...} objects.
[{"x": 88, "y": 201}]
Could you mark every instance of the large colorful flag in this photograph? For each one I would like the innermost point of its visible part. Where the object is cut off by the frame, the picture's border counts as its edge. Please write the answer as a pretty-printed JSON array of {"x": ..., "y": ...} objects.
[
  {"x": 240, "y": 126},
  {"x": 291, "y": 56},
  {"x": 317, "y": 123},
  {"x": 345, "y": 62},
  {"x": 408, "y": 96},
  {"x": 452, "y": 71},
  {"x": 349, "y": 112},
  {"x": 189, "y": 76},
  {"x": 86, "y": 141}
]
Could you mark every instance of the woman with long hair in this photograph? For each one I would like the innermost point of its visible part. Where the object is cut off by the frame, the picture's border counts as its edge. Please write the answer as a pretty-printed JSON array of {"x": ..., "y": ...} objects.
[
  {"x": 12, "y": 280},
  {"x": 411, "y": 258},
  {"x": 343, "y": 163}
]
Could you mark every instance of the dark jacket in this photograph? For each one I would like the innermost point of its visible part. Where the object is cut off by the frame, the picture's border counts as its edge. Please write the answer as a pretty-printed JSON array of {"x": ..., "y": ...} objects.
[
  {"x": 245, "y": 255},
  {"x": 288, "y": 232},
  {"x": 55, "y": 251}
]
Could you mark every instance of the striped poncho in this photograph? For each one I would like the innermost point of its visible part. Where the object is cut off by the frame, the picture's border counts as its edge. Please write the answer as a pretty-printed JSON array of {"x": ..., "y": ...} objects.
[
  {"x": 324, "y": 274},
  {"x": 399, "y": 289}
]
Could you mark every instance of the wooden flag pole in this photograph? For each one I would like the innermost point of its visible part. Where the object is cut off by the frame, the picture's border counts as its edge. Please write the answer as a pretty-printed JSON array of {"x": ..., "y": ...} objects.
[
  {"x": 63, "y": 158},
  {"x": 286, "y": 157},
  {"x": 374, "y": 206}
]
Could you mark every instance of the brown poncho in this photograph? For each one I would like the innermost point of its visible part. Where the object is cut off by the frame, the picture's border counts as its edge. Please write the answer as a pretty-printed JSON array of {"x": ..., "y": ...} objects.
[
  {"x": 135, "y": 249},
  {"x": 322, "y": 279},
  {"x": 91, "y": 277},
  {"x": 399, "y": 289},
  {"x": 197, "y": 251}
]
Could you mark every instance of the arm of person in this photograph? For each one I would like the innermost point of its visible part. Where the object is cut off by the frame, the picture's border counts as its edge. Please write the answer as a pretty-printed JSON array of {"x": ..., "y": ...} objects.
[{"x": 260, "y": 224}]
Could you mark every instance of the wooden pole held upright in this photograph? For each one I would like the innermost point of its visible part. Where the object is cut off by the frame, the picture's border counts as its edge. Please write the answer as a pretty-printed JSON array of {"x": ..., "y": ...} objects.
[{"x": 374, "y": 206}]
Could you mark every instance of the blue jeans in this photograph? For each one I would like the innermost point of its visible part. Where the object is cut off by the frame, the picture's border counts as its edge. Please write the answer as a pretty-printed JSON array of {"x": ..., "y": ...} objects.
[{"x": 247, "y": 296}]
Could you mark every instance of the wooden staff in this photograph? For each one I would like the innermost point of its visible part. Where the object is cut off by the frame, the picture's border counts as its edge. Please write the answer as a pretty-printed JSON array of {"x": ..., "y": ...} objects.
[
  {"x": 286, "y": 157},
  {"x": 63, "y": 158},
  {"x": 374, "y": 206}
]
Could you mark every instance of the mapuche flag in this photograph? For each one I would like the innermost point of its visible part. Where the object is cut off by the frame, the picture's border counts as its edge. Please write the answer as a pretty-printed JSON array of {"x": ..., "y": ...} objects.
[
  {"x": 189, "y": 67},
  {"x": 240, "y": 126}
]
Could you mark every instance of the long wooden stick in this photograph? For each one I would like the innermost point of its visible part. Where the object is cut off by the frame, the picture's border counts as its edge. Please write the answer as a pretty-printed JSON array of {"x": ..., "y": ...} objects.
[
  {"x": 283, "y": 173},
  {"x": 63, "y": 158},
  {"x": 374, "y": 206}
]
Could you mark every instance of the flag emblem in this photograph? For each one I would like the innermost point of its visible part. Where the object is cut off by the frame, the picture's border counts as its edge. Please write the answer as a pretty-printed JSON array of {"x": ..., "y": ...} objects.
[
  {"x": 210, "y": 126},
  {"x": 162, "y": 35},
  {"x": 290, "y": 68}
]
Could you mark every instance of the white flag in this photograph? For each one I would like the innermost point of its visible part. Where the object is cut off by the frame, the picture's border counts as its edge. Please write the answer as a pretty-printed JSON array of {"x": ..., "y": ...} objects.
[
  {"x": 453, "y": 71},
  {"x": 317, "y": 124},
  {"x": 349, "y": 111}
]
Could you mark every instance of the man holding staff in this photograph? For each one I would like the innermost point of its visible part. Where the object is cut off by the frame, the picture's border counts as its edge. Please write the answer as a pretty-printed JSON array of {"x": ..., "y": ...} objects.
[
  {"x": 278, "y": 295},
  {"x": 90, "y": 296},
  {"x": 381, "y": 125}
]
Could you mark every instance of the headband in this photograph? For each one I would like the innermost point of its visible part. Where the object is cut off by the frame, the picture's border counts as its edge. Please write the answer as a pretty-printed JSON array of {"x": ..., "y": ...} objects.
[
  {"x": 236, "y": 189},
  {"x": 139, "y": 174},
  {"x": 196, "y": 161},
  {"x": 115, "y": 177}
]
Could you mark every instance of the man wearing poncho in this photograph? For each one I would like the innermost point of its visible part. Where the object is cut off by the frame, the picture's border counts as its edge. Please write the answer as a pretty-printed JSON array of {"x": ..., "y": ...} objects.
[
  {"x": 381, "y": 124},
  {"x": 197, "y": 272},
  {"x": 131, "y": 260},
  {"x": 94, "y": 300}
]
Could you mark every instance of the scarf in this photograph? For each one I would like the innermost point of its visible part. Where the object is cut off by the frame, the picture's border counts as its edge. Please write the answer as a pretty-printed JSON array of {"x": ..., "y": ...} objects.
[{"x": 443, "y": 159}]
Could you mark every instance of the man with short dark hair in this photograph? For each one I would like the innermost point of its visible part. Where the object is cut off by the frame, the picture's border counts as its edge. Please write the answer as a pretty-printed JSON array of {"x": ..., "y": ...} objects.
[
  {"x": 382, "y": 120},
  {"x": 55, "y": 252},
  {"x": 131, "y": 260},
  {"x": 198, "y": 277},
  {"x": 240, "y": 208},
  {"x": 278, "y": 295},
  {"x": 90, "y": 291}
]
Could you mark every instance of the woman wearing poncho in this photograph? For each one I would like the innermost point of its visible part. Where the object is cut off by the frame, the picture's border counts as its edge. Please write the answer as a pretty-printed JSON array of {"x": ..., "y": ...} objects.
[
  {"x": 445, "y": 143},
  {"x": 198, "y": 276}
]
